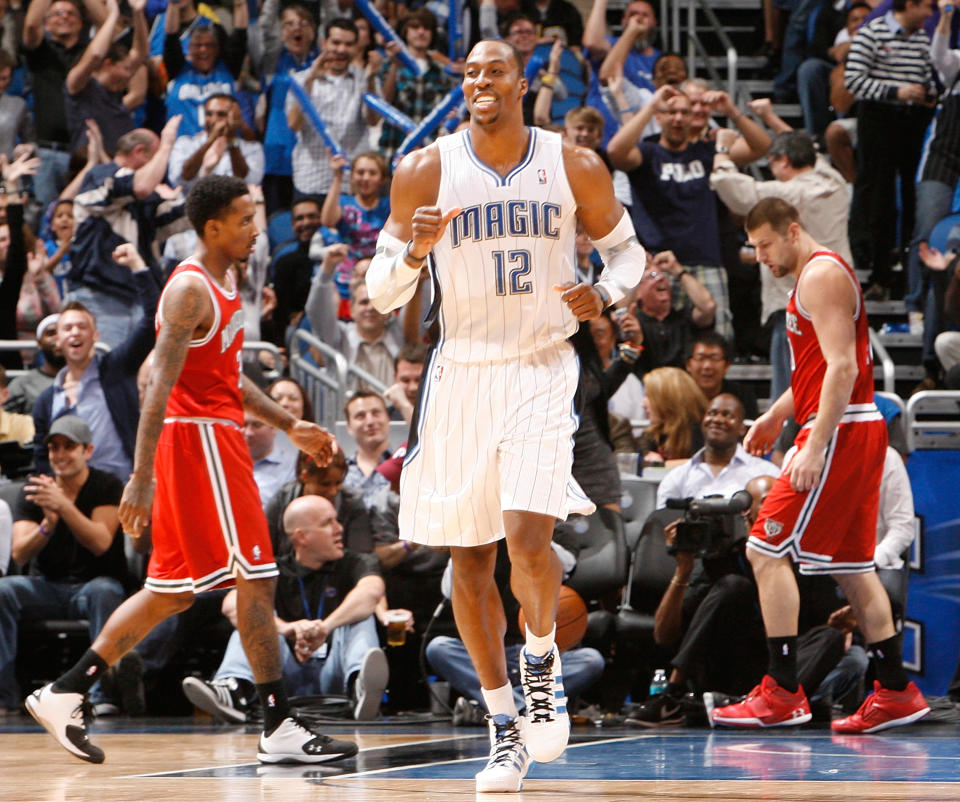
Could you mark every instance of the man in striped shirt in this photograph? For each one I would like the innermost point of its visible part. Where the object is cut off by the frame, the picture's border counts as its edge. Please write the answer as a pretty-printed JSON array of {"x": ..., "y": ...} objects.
[
  {"x": 888, "y": 70},
  {"x": 938, "y": 176}
]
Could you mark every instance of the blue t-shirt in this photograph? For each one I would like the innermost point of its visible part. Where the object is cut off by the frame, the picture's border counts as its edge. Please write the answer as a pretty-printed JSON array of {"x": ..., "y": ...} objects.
[
  {"x": 63, "y": 266},
  {"x": 637, "y": 68},
  {"x": 674, "y": 207},
  {"x": 187, "y": 93},
  {"x": 278, "y": 138},
  {"x": 359, "y": 229}
]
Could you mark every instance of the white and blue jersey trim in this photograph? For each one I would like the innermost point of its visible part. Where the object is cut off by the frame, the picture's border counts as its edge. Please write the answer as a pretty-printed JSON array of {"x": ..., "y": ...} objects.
[{"x": 502, "y": 181}]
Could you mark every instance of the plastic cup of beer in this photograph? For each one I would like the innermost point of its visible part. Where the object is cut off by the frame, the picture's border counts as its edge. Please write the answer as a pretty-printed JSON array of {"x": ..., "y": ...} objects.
[{"x": 397, "y": 627}]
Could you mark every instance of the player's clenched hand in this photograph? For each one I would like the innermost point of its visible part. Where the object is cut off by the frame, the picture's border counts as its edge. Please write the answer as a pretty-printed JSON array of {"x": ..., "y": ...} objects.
[
  {"x": 805, "y": 468},
  {"x": 428, "y": 225},
  {"x": 313, "y": 440},
  {"x": 583, "y": 299},
  {"x": 135, "y": 504},
  {"x": 762, "y": 435}
]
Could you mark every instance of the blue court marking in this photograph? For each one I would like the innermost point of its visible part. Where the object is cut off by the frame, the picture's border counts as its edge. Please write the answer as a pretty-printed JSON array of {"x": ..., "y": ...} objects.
[
  {"x": 919, "y": 754},
  {"x": 736, "y": 756}
]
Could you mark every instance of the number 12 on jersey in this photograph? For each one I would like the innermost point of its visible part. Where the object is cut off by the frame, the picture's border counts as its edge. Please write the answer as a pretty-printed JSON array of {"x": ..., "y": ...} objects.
[{"x": 510, "y": 280}]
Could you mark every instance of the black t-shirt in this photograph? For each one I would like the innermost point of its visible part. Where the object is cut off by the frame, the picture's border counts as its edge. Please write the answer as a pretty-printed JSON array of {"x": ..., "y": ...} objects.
[
  {"x": 97, "y": 103},
  {"x": 63, "y": 559},
  {"x": 666, "y": 342},
  {"x": 557, "y": 15},
  {"x": 291, "y": 282},
  {"x": 359, "y": 526},
  {"x": 307, "y": 593},
  {"x": 674, "y": 207},
  {"x": 49, "y": 64}
]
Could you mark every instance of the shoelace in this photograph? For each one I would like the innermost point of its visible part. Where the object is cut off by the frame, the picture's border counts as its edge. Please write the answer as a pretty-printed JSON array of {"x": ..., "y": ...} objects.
[
  {"x": 507, "y": 742},
  {"x": 537, "y": 682},
  {"x": 82, "y": 714},
  {"x": 300, "y": 724}
]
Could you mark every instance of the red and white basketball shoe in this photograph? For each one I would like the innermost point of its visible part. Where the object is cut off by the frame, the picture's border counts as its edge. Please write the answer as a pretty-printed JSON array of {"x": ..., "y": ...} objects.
[
  {"x": 767, "y": 705},
  {"x": 883, "y": 709}
]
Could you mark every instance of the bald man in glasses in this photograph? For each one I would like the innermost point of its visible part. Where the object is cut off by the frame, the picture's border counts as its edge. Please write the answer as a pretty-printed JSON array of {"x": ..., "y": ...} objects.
[{"x": 668, "y": 332}]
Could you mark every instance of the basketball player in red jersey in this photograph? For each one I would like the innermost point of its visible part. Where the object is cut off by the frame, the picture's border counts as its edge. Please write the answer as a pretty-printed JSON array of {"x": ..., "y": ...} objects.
[
  {"x": 208, "y": 526},
  {"x": 822, "y": 510}
]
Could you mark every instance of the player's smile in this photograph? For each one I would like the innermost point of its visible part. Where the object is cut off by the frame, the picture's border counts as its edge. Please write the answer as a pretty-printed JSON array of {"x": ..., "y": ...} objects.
[{"x": 484, "y": 100}]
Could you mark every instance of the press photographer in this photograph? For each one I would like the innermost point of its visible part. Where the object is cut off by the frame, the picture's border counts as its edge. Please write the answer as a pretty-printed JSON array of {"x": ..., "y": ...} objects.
[
  {"x": 709, "y": 610},
  {"x": 711, "y": 527}
]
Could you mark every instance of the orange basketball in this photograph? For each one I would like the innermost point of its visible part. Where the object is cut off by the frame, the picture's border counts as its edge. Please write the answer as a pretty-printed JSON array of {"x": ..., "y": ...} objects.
[{"x": 571, "y": 619}]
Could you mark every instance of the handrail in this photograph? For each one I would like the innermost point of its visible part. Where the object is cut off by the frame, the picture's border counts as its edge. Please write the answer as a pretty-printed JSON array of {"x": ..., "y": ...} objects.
[
  {"x": 701, "y": 51},
  {"x": 666, "y": 26},
  {"x": 255, "y": 346},
  {"x": 889, "y": 369},
  {"x": 915, "y": 426},
  {"x": 337, "y": 365},
  {"x": 732, "y": 57},
  {"x": 337, "y": 382},
  {"x": 369, "y": 378}
]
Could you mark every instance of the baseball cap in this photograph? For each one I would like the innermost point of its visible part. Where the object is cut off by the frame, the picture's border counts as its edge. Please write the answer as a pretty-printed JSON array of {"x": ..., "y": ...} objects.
[
  {"x": 71, "y": 427},
  {"x": 49, "y": 320}
]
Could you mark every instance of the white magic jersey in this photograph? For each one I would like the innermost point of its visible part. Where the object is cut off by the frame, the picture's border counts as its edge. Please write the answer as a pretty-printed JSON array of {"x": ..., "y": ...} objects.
[{"x": 498, "y": 262}]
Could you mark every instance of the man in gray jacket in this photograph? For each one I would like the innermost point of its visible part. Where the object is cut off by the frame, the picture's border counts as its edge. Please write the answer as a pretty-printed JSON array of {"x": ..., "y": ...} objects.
[{"x": 806, "y": 181}]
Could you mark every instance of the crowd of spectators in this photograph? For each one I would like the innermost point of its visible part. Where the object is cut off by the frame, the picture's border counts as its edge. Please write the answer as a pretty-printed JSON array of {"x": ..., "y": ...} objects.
[{"x": 110, "y": 110}]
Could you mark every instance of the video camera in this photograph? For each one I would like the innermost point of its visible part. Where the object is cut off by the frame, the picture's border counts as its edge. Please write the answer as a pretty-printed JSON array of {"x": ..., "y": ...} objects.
[{"x": 712, "y": 525}]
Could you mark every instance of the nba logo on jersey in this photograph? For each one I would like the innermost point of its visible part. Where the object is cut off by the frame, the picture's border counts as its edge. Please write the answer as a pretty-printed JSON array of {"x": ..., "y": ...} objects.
[
  {"x": 256, "y": 552},
  {"x": 542, "y": 176},
  {"x": 438, "y": 373}
]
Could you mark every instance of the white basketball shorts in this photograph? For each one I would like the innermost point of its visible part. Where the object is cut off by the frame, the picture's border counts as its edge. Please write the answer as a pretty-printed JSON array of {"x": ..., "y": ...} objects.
[{"x": 490, "y": 437}]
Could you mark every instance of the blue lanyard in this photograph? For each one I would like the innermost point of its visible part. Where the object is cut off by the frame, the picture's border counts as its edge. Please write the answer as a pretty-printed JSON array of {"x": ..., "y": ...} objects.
[{"x": 306, "y": 605}]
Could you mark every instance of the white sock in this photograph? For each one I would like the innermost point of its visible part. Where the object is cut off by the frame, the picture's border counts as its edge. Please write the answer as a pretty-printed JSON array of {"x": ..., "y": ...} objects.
[
  {"x": 500, "y": 701},
  {"x": 540, "y": 645}
]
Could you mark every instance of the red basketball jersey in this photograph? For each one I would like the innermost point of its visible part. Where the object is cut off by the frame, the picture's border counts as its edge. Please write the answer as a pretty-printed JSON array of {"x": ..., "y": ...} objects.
[
  {"x": 209, "y": 384},
  {"x": 806, "y": 359}
]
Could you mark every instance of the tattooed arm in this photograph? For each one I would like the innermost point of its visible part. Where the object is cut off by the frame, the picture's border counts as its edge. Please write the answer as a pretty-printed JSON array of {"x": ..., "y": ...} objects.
[
  {"x": 263, "y": 407},
  {"x": 306, "y": 436},
  {"x": 187, "y": 312}
]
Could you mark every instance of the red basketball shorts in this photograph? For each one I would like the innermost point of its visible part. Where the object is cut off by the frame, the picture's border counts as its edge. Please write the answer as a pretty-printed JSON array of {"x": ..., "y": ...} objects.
[
  {"x": 208, "y": 525},
  {"x": 832, "y": 528}
]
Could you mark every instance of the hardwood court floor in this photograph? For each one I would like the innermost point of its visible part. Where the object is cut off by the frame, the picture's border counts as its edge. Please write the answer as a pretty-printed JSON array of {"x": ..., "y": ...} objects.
[{"x": 177, "y": 759}]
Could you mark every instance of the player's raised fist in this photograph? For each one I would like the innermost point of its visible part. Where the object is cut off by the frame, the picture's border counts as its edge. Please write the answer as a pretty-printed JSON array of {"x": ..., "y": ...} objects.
[
  {"x": 428, "y": 225},
  {"x": 583, "y": 299}
]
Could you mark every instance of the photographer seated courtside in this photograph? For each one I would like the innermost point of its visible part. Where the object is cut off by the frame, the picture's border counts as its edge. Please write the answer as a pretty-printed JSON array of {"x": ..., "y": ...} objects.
[{"x": 711, "y": 593}]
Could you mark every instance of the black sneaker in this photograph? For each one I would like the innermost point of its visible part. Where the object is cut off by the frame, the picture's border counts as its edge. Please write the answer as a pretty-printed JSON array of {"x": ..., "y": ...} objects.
[
  {"x": 295, "y": 741},
  {"x": 661, "y": 710},
  {"x": 129, "y": 682},
  {"x": 715, "y": 699},
  {"x": 468, "y": 713},
  {"x": 224, "y": 699}
]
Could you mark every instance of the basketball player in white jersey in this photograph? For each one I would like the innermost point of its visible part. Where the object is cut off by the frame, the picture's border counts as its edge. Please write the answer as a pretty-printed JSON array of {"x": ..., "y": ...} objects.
[{"x": 491, "y": 212}]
